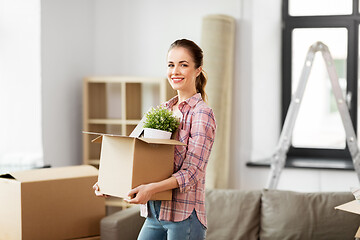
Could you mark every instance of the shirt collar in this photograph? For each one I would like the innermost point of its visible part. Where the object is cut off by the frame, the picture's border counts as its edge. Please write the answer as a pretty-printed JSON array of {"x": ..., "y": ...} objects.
[
  {"x": 192, "y": 101},
  {"x": 172, "y": 102}
]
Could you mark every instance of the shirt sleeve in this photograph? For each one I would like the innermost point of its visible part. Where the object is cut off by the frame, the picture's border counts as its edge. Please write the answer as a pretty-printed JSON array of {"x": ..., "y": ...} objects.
[{"x": 201, "y": 139}]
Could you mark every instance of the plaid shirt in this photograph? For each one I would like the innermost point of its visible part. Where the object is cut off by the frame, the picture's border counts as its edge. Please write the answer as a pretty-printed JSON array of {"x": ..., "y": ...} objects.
[{"x": 197, "y": 130}]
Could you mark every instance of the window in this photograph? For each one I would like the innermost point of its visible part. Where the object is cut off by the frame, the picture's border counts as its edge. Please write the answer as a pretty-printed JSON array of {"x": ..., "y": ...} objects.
[
  {"x": 319, "y": 131},
  {"x": 319, "y": 123}
]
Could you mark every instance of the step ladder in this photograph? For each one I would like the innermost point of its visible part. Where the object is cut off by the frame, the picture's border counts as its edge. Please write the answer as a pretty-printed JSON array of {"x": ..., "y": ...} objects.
[{"x": 279, "y": 157}]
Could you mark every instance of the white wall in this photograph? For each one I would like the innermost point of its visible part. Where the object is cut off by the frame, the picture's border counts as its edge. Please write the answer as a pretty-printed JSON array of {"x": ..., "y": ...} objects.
[
  {"x": 20, "y": 101},
  {"x": 106, "y": 37},
  {"x": 67, "y": 56},
  {"x": 132, "y": 37},
  {"x": 260, "y": 61}
]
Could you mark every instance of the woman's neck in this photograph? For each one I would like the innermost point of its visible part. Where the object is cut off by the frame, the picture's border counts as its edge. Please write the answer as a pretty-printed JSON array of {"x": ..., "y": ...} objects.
[{"x": 182, "y": 96}]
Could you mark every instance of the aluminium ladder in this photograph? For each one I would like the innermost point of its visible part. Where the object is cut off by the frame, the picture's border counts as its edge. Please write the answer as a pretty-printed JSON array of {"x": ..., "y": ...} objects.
[{"x": 279, "y": 157}]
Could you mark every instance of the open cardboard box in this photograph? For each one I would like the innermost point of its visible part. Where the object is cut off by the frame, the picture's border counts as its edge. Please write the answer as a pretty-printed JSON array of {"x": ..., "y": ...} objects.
[
  {"x": 352, "y": 207},
  {"x": 129, "y": 161},
  {"x": 50, "y": 203}
]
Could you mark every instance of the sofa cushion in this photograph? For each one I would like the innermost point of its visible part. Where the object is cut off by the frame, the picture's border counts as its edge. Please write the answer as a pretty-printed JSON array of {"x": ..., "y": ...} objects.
[
  {"x": 233, "y": 214},
  {"x": 124, "y": 224},
  {"x": 294, "y": 215}
]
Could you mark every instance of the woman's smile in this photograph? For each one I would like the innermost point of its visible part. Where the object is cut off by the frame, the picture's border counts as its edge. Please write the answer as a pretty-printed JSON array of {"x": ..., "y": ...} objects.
[{"x": 177, "y": 79}]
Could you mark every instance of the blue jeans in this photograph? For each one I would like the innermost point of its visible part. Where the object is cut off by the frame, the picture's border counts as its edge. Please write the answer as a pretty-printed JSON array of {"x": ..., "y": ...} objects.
[{"x": 155, "y": 229}]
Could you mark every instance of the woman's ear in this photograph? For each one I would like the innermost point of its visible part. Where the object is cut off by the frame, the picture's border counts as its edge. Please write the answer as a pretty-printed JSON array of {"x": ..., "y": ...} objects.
[{"x": 198, "y": 71}]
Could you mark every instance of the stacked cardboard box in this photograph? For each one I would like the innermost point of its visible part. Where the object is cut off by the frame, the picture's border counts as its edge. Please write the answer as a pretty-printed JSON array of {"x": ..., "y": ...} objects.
[{"x": 53, "y": 203}]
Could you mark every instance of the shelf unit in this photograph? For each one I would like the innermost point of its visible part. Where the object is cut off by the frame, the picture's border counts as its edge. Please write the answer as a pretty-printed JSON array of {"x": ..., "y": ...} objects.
[{"x": 115, "y": 104}]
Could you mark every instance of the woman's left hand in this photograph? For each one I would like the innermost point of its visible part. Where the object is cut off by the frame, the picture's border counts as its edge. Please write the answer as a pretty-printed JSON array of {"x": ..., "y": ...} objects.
[{"x": 142, "y": 194}]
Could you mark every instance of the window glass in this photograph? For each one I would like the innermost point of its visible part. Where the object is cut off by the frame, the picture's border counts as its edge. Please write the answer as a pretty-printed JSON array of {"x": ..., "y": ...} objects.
[
  {"x": 319, "y": 123},
  {"x": 319, "y": 7}
]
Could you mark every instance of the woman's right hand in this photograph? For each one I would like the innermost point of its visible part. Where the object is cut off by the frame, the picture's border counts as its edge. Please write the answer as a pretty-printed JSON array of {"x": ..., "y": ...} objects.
[{"x": 97, "y": 191}]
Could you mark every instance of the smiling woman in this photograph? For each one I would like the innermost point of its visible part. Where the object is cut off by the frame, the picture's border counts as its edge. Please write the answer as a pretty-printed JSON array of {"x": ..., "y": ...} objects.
[
  {"x": 20, "y": 106},
  {"x": 184, "y": 216}
]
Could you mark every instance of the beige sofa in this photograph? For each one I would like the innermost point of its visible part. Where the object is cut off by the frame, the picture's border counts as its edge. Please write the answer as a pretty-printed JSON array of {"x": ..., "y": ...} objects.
[{"x": 267, "y": 214}]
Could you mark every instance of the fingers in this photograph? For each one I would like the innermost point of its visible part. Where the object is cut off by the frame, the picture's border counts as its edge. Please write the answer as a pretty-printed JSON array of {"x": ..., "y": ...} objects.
[
  {"x": 138, "y": 195},
  {"x": 134, "y": 201},
  {"x": 96, "y": 187},
  {"x": 134, "y": 196},
  {"x": 132, "y": 192},
  {"x": 97, "y": 191},
  {"x": 100, "y": 194}
]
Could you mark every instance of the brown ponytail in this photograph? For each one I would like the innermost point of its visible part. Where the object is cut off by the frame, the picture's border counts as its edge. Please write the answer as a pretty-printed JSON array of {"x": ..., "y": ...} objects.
[
  {"x": 197, "y": 55},
  {"x": 200, "y": 83}
]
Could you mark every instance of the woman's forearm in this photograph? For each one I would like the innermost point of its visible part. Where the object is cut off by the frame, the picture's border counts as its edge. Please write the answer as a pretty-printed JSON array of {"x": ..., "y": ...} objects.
[
  {"x": 144, "y": 192},
  {"x": 163, "y": 185}
]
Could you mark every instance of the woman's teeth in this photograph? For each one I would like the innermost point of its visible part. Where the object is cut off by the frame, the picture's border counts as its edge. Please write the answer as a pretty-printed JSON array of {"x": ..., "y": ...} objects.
[{"x": 176, "y": 80}]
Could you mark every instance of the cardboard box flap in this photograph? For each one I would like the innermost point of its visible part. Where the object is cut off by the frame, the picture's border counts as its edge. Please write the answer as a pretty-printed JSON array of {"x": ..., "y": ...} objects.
[
  {"x": 98, "y": 139},
  {"x": 357, "y": 235},
  {"x": 52, "y": 173},
  {"x": 162, "y": 141},
  {"x": 353, "y": 207},
  {"x": 138, "y": 130}
]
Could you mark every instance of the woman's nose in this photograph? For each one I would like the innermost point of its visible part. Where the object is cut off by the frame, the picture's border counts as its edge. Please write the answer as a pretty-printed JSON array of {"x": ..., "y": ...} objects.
[{"x": 175, "y": 70}]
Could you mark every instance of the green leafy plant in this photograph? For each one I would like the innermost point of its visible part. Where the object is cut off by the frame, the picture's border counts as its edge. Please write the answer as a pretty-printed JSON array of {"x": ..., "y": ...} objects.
[{"x": 162, "y": 119}]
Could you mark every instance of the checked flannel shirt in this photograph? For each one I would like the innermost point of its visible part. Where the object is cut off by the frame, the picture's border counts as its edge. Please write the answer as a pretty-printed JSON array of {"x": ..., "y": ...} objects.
[{"x": 197, "y": 130}]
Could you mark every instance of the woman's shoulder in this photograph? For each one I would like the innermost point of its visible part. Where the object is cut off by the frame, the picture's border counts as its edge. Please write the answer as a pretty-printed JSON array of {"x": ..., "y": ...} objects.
[
  {"x": 204, "y": 115},
  {"x": 203, "y": 108}
]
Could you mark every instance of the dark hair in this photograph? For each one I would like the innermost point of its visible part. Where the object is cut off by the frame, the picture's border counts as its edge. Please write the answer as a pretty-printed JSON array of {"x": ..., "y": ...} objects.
[{"x": 197, "y": 55}]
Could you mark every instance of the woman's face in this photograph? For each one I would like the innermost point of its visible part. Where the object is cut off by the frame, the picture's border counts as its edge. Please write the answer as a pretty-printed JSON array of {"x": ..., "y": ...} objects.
[{"x": 182, "y": 72}]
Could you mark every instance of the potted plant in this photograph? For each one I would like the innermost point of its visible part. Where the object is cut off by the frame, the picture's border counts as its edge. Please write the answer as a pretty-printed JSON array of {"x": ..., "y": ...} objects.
[{"x": 160, "y": 123}]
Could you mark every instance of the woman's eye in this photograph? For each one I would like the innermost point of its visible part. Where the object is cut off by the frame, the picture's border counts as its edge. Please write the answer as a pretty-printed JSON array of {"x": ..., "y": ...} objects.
[
  {"x": 184, "y": 65},
  {"x": 170, "y": 65}
]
